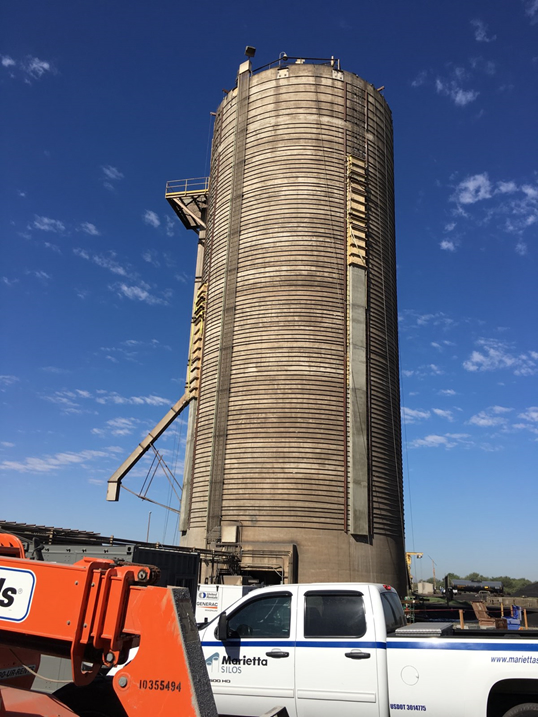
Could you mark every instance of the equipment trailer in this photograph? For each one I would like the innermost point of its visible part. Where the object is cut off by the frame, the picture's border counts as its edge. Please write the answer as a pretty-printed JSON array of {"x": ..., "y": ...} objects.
[{"x": 94, "y": 612}]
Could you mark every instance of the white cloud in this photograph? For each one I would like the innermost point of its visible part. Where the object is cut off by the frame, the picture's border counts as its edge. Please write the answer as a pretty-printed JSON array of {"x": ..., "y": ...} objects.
[
  {"x": 531, "y": 414},
  {"x": 517, "y": 204},
  {"x": 48, "y": 225},
  {"x": 506, "y": 187},
  {"x": 9, "y": 282},
  {"x": 7, "y": 444},
  {"x": 115, "y": 398},
  {"x": 41, "y": 275},
  {"x": 420, "y": 79},
  {"x": 7, "y": 380},
  {"x": 531, "y": 9},
  {"x": 485, "y": 419},
  {"x": 452, "y": 89},
  {"x": 447, "y": 392},
  {"x": 137, "y": 293},
  {"x": 151, "y": 218},
  {"x": 411, "y": 415},
  {"x": 32, "y": 68},
  {"x": 481, "y": 31},
  {"x": 117, "y": 427},
  {"x": 104, "y": 261},
  {"x": 170, "y": 226},
  {"x": 449, "y": 440},
  {"x": 54, "y": 369},
  {"x": 443, "y": 414},
  {"x": 151, "y": 258},
  {"x": 90, "y": 229},
  {"x": 53, "y": 247},
  {"x": 495, "y": 355},
  {"x": 35, "y": 67},
  {"x": 473, "y": 189},
  {"x": 68, "y": 401},
  {"x": 447, "y": 245},
  {"x": 48, "y": 463},
  {"x": 110, "y": 176}
]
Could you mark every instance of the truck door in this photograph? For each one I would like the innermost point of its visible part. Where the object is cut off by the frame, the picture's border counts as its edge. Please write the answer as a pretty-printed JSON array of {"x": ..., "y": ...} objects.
[
  {"x": 336, "y": 654},
  {"x": 252, "y": 671}
]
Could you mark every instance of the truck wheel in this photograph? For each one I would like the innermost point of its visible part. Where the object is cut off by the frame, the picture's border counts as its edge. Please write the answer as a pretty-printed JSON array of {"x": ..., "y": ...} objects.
[
  {"x": 97, "y": 699},
  {"x": 529, "y": 709}
]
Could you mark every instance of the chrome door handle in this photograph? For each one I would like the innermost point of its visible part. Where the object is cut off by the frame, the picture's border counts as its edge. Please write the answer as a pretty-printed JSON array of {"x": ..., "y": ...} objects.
[
  {"x": 358, "y": 655},
  {"x": 277, "y": 653}
]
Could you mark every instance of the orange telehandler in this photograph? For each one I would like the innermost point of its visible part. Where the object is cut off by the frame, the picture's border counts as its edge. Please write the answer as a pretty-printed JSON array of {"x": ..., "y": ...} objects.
[{"x": 94, "y": 612}]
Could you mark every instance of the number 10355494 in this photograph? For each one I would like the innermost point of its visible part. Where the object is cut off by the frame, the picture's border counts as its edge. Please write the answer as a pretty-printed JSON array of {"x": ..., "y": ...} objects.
[{"x": 165, "y": 685}]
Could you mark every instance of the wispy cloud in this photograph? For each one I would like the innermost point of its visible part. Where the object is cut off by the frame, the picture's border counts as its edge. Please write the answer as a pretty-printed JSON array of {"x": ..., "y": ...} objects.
[
  {"x": 39, "y": 274},
  {"x": 111, "y": 176},
  {"x": 495, "y": 355},
  {"x": 8, "y": 380},
  {"x": 531, "y": 10},
  {"x": 71, "y": 401},
  {"x": 473, "y": 189},
  {"x": 46, "y": 224},
  {"x": 68, "y": 401},
  {"x": 9, "y": 282},
  {"x": 443, "y": 414},
  {"x": 117, "y": 427},
  {"x": 455, "y": 91},
  {"x": 132, "y": 350},
  {"x": 493, "y": 416},
  {"x": 412, "y": 415},
  {"x": 170, "y": 226},
  {"x": 90, "y": 229},
  {"x": 138, "y": 293},
  {"x": 151, "y": 218},
  {"x": 105, "y": 261},
  {"x": 447, "y": 392},
  {"x": 112, "y": 397},
  {"x": 513, "y": 205},
  {"x": 51, "y": 463},
  {"x": 447, "y": 245},
  {"x": 448, "y": 440},
  {"x": 481, "y": 31},
  {"x": 29, "y": 68},
  {"x": 530, "y": 420},
  {"x": 410, "y": 318},
  {"x": 151, "y": 258},
  {"x": 54, "y": 369}
]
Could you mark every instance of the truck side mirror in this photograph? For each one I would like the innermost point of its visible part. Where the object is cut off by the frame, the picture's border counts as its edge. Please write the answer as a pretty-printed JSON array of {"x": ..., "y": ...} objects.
[{"x": 222, "y": 629}]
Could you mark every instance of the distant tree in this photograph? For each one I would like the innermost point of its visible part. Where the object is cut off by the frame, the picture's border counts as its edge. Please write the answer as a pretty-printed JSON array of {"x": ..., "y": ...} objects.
[{"x": 475, "y": 576}]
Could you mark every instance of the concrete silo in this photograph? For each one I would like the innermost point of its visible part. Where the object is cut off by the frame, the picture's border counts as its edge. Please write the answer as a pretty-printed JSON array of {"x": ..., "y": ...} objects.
[{"x": 294, "y": 447}]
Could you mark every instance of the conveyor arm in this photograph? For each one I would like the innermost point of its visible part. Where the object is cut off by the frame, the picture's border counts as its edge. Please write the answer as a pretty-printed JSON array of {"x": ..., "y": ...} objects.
[{"x": 114, "y": 482}]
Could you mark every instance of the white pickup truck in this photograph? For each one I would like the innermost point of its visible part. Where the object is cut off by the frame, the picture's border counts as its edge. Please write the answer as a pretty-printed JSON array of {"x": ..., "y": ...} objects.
[{"x": 345, "y": 650}]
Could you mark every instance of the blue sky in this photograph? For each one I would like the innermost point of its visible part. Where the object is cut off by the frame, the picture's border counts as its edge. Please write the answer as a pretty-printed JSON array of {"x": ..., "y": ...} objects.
[{"x": 104, "y": 102}]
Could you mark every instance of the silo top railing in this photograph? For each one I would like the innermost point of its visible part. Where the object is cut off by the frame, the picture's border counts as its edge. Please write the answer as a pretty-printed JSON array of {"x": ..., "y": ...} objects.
[{"x": 185, "y": 187}]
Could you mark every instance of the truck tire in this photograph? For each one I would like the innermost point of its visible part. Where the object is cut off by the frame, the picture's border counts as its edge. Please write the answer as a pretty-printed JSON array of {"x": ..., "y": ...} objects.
[{"x": 528, "y": 709}]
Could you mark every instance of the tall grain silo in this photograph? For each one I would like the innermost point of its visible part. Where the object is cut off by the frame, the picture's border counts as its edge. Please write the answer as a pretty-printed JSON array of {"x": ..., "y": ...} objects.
[{"x": 294, "y": 444}]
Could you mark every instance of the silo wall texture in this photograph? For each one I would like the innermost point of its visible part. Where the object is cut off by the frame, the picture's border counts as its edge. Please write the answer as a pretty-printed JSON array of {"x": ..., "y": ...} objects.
[{"x": 297, "y": 428}]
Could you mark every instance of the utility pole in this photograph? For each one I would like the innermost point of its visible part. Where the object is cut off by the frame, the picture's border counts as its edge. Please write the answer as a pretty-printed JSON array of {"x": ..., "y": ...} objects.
[{"x": 433, "y": 570}]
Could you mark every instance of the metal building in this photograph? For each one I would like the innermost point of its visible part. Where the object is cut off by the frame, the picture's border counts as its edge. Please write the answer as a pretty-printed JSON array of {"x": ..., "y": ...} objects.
[{"x": 294, "y": 446}]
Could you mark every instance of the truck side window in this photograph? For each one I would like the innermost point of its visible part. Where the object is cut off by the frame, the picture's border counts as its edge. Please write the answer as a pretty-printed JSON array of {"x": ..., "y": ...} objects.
[
  {"x": 334, "y": 614},
  {"x": 268, "y": 616},
  {"x": 394, "y": 614}
]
